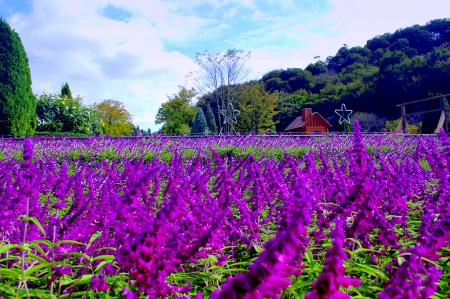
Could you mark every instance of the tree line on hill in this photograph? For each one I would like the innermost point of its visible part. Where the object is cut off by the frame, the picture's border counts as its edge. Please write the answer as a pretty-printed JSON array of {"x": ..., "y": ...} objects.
[
  {"x": 24, "y": 114},
  {"x": 393, "y": 68}
]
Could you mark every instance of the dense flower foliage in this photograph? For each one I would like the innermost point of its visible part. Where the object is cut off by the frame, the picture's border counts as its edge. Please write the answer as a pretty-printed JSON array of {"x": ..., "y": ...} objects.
[{"x": 226, "y": 217}]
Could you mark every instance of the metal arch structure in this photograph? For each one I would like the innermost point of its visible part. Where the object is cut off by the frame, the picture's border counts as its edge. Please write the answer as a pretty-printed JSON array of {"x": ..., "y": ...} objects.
[{"x": 442, "y": 109}]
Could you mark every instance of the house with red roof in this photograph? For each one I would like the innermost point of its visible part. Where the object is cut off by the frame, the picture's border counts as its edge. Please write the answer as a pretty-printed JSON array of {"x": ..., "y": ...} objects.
[{"x": 309, "y": 123}]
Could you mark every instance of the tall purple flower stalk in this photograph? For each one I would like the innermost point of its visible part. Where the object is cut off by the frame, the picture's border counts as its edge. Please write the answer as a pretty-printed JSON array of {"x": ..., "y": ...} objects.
[
  {"x": 407, "y": 281},
  {"x": 267, "y": 276},
  {"x": 30, "y": 195},
  {"x": 416, "y": 277},
  {"x": 147, "y": 258},
  {"x": 327, "y": 285}
]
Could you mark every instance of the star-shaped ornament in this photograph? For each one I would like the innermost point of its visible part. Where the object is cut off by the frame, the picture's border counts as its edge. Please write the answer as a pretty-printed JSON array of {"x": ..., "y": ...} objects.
[
  {"x": 344, "y": 114},
  {"x": 229, "y": 114}
]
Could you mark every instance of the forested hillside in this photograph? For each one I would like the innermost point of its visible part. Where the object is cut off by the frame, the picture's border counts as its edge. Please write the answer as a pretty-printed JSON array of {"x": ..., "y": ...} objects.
[{"x": 409, "y": 64}]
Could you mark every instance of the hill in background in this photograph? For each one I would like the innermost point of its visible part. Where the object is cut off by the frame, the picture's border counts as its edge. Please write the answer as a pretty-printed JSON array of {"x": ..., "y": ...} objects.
[{"x": 409, "y": 64}]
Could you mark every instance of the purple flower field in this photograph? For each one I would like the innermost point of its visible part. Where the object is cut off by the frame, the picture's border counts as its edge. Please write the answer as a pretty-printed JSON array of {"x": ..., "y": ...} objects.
[{"x": 357, "y": 216}]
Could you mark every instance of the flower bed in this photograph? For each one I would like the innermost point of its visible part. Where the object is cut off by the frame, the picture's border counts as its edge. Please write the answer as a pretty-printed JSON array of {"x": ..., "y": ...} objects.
[{"x": 225, "y": 217}]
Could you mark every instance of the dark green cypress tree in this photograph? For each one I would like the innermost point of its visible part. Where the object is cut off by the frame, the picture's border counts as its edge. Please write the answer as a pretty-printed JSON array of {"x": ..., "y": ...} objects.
[
  {"x": 65, "y": 91},
  {"x": 17, "y": 101},
  {"x": 210, "y": 119},
  {"x": 199, "y": 125}
]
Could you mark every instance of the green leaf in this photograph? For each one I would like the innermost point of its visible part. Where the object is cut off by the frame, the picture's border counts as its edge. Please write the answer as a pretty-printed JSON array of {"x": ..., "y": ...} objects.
[
  {"x": 46, "y": 242},
  {"x": 423, "y": 258},
  {"x": 35, "y": 221},
  {"x": 85, "y": 279},
  {"x": 68, "y": 242},
  {"x": 356, "y": 241},
  {"x": 369, "y": 270},
  {"x": 75, "y": 254},
  {"x": 376, "y": 288},
  {"x": 93, "y": 238},
  {"x": 300, "y": 284},
  {"x": 105, "y": 248},
  {"x": 258, "y": 249},
  {"x": 12, "y": 246},
  {"x": 35, "y": 268},
  {"x": 73, "y": 295},
  {"x": 11, "y": 258},
  {"x": 38, "y": 294},
  {"x": 309, "y": 270},
  {"x": 39, "y": 249},
  {"x": 13, "y": 273},
  {"x": 238, "y": 270},
  {"x": 310, "y": 259},
  {"x": 7, "y": 289},
  {"x": 99, "y": 266},
  {"x": 67, "y": 280},
  {"x": 32, "y": 278},
  {"x": 359, "y": 250},
  {"x": 106, "y": 257},
  {"x": 239, "y": 264},
  {"x": 359, "y": 296},
  {"x": 36, "y": 258}
]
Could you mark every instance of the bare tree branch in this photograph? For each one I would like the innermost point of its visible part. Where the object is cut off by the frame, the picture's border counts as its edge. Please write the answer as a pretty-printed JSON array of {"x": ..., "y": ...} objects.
[{"x": 218, "y": 72}]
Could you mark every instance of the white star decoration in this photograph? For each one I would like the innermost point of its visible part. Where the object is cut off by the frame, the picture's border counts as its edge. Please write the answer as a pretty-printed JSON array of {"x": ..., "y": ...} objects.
[
  {"x": 344, "y": 114},
  {"x": 229, "y": 114}
]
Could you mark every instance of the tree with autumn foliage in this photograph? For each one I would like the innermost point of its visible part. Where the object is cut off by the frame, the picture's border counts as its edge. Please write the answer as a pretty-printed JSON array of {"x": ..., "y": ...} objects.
[{"x": 115, "y": 119}]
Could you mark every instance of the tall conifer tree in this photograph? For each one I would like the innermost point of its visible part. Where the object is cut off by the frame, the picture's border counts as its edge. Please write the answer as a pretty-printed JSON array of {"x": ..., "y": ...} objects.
[
  {"x": 199, "y": 126},
  {"x": 65, "y": 91},
  {"x": 210, "y": 119},
  {"x": 17, "y": 102}
]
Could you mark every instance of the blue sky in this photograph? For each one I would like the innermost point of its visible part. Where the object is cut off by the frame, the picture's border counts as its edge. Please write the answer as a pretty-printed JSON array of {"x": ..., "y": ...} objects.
[{"x": 139, "y": 51}]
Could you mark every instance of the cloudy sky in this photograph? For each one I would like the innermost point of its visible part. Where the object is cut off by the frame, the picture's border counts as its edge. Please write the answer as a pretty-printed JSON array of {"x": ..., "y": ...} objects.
[{"x": 139, "y": 51}]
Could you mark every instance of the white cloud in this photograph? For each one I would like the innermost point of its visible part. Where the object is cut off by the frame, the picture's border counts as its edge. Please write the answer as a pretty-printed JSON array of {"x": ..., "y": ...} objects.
[
  {"x": 247, "y": 3},
  {"x": 287, "y": 3},
  {"x": 361, "y": 20},
  {"x": 146, "y": 120},
  {"x": 257, "y": 14},
  {"x": 264, "y": 60},
  {"x": 102, "y": 58},
  {"x": 230, "y": 12},
  {"x": 223, "y": 26}
]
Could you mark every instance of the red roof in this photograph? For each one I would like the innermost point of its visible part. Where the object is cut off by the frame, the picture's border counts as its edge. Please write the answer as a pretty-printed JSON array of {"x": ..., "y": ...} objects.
[{"x": 299, "y": 123}]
